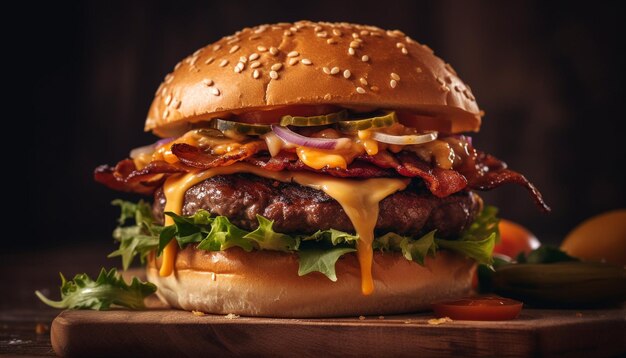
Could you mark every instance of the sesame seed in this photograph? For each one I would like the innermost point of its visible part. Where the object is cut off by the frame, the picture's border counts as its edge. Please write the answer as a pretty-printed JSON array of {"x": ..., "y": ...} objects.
[
  {"x": 337, "y": 32},
  {"x": 328, "y": 97},
  {"x": 169, "y": 78},
  {"x": 207, "y": 82},
  {"x": 334, "y": 70},
  {"x": 317, "y": 29},
  {"x": 209, "y": 61},
  {"x": 440, "y": 81},
  {"x": 195, "y": 54},
  {"x": 306, "y": 61},
  {"x": 391, "y": 33},
  {"x": 260, "y": 29},
  {"x": 256, "y": 74},
  {"x": 294, "y": 29},
  {"x": 273, "y": 75},
  {"x": 237, "y": 69},
  {"x": 365, "y": 58},
  {"x": 168, "y": 99},
  {"x": 347, "y": 74},
  {"x": 360, "y": 90},
  {"x": 166, "y": 113},
  {"x": 235, "y": 40},
  {"x": 457, "y": 88},
  {"x": 322, "y": 34},
  {"x": 351, "y": 51},
  {"x": 355, "y": 35},
  {"x": 399, "y": 45},
  {"x": 331, "y": 41},
  {"x": 287, "y": 33},
  {"x": 243, "y": 59},
  {"x": 276, "y": 67},
  {"x": 273, "y": 51},
  {"x": 363, "y": 81},
  {"x": 176, "y": 104},
  {"x": 405, "y": 51},
  {"x": 216, "y": 47},
  {"x": 326, "y": 70},
  {"x": 393, "y": 83},
  {"x": 418, "y": 69},
  {"x": 425, "y": 47},
  {"x": 354, "y": 44},
  {"x": 193, "y": 61},
  {"x": 234, "y": 49},
  {"x": 214, "y": 91},
  {"x": 253, "y": 56},
  {"x": 223, "y": 63},
  {"x": 255, "y": 64},
  {"x": 376, "y": 34},
  {"x": 293, "y": 54},
  {"x": 261, "y": 48},
  {"x": 374, "y": 88},
  {"x": 178, "y": 66},
  {"x": 394, "y": 76},
  {"x": 254, "y": 37},
  {"x": 364, "y": 32},
  {"x": 293, "y": 61}
]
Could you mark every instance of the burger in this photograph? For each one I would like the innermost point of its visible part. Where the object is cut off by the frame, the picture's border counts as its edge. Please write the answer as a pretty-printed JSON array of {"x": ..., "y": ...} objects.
[{"x": 310, "y": 169}]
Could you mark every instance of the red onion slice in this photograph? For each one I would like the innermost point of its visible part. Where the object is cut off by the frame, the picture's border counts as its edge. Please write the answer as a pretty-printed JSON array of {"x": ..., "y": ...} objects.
[{"x": 291, "y": 137}]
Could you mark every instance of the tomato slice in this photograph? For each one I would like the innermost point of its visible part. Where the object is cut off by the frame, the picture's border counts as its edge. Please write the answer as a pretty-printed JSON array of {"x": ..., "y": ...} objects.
[
  {"x": 424, "y": 122},
  {"x": 273, "y": 115},
  {"x": 480, "y": 308}
]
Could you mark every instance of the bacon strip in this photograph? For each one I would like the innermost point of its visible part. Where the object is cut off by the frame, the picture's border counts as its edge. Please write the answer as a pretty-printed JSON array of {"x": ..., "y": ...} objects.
[
  {"x": 482, "y": 172},
  {"x": 194, "y": 157},
  {"x": 126, "y": 177}
]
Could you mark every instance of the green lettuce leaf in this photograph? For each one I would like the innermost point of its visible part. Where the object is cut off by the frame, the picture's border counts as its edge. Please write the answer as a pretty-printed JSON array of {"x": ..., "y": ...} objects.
[
  {"x": 108, "y": 289},
  {"x": 320, "y": 260},
  {"x": 318, "y": 252},
  {"x": 138, "y": 238},
  {"x": 268, "y": 239}
]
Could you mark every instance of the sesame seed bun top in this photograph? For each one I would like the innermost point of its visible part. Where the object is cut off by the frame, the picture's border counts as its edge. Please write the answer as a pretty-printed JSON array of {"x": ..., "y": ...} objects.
[{"x": 308, "y": 63}]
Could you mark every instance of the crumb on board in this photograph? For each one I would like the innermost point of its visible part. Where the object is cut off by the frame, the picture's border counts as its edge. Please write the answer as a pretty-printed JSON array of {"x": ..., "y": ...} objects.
[
  {"x": 198, "y": 313},
  {"x": 362, "y": 318},
  {"x": 381, "y": 317},
  {"x": 231, "y": 316},
  {"x": 41, "y": 328},
  {"x": 437, "y": 321}
]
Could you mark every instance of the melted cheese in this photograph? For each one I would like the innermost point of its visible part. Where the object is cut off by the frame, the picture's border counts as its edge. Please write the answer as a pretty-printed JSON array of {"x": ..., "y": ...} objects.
[{"x": 359, "y": 199}]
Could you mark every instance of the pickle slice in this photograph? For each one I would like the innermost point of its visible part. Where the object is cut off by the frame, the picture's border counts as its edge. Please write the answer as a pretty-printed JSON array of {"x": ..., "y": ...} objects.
[
  {"x": 385, "y": 120},
  {"x": 230, "y": 128},
  {"x": 311, "y": 121}
]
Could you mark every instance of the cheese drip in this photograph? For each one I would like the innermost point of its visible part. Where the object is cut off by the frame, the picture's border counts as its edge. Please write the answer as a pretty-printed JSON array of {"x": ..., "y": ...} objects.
[{"x": 359, "y": 199}]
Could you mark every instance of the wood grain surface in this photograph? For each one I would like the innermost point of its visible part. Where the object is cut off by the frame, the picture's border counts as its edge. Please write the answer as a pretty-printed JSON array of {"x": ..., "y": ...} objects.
[{"x": 554, "y": 333}]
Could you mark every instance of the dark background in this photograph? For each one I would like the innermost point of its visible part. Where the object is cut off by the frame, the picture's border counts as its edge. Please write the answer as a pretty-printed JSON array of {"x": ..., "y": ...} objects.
[{"x": 549, "y": 76}]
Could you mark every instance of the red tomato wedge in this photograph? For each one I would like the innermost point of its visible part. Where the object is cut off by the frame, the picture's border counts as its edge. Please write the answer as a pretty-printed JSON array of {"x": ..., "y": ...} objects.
[
  {"x": 480, "y": 308},
  {"x": 273, "y": 115},
  {"x": 514, "y": 238}
]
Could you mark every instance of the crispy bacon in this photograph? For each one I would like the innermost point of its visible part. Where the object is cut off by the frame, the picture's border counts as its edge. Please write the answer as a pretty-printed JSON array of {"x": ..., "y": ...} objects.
[
  {"x": 194, "y": 157},
  {"x": 126, "y": 177},
  {"x": 479, "y": 172}
]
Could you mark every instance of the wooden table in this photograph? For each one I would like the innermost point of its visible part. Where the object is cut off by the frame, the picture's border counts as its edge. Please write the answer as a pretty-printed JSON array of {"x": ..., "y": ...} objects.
[{"x": 24, "y": 323}]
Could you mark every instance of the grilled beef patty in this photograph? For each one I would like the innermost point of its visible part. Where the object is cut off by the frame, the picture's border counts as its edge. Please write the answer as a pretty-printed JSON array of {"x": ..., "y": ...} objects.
[{"x": 303, "y": 210}]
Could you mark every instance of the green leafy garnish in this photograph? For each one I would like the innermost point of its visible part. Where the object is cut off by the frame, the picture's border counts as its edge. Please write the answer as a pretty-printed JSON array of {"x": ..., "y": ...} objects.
[
  {"x": 108, "y": 289},
  {"x": 138, "y": 238},
  {"x": 321, "y": 261},
  {"x": 318, "y": 252}
]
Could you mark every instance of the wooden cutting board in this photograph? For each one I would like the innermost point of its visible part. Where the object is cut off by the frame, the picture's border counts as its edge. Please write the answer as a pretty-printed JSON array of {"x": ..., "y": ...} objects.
[{"x": 165, "y": 332}]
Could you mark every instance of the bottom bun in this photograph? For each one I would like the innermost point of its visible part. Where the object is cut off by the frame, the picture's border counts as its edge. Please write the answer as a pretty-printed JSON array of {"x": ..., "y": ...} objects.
[{"x": 266, "y": 283}]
